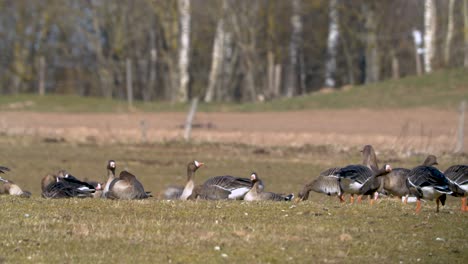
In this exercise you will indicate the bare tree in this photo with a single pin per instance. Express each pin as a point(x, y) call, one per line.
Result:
point(372, 53)
point(184, 55)
point(430, 27)
point(294, 46)
point(332, 43)
point(217, 57)
point(449, 36)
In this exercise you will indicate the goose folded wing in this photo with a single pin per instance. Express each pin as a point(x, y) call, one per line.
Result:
point(357, 173)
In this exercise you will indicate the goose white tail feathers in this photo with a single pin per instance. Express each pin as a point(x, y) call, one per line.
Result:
point(289, 197)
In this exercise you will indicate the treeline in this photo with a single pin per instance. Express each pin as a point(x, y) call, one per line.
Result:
point(222, 50)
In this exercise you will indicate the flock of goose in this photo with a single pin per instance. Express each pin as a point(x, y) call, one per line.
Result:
point(422, 182)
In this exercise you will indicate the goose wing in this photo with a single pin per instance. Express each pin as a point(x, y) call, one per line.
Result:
point(237, 186)
point(126, 187)
point(74, 182)
point(63, 190)
point(229, 182)
point(457, 174)
point(275, 196)
point(209, 192)
point(358, 173)
point(427, 176)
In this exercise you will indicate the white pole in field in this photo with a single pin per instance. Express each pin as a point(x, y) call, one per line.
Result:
point(461, 126)
point(190, 116)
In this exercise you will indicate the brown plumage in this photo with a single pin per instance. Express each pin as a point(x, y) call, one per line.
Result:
point(209, 192)
point(394, 182)
point(326, 183)
point(192, 167)
point(9, 187)
point(126, 187)
point(257, 194)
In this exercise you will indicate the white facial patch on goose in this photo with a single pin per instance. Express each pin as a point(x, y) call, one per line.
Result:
point(253, 176)
point(388, 168)
point(197, 164)
point(112, 164)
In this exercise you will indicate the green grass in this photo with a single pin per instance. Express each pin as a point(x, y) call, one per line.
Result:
point(443, 89)
point(152, 231)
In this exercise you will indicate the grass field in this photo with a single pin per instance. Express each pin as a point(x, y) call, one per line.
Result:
point(441, 90)
point(320, 230)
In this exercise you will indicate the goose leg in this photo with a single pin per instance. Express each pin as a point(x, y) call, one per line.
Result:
point(351, 199)
point(418, 206)
point(359, 199)
point(372, 199)
point(464, 207)
point(341, 197)
point(437, 201)
point(405, 200)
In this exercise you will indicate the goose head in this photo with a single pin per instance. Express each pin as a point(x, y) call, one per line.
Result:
point(194, 165)
point(431, 160)
point(254, 177)
point(111, 165)
point(388, 168)
point(62, 174)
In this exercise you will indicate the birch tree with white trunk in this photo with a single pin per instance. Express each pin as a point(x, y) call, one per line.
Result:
point(449, 36)
point(184, 50)
point(332, 43)
point(217, 58)
point(372, 52)
point(294, 44)
point(430, 27)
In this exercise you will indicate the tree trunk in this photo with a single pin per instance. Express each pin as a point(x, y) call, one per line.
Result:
point(430, 27)
point(372, 54)
point(229, 74)
point(449, 37)
point(184, 49)
point(216, 61)
point(294, 44)
point(418, 50)
point(395, 65)
point(332, 43)
point(465, 35)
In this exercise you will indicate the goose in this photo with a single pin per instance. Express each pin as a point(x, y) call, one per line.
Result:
point(173, 192)
point(209, 192)
point(326, 182)
point(257, 194)
point(192, 167)
point(458, 177)
point(59, 186)
point(359, 179)
point(352, 177)
point(125, 187)
point(427, 182)
point(369, 158)
point(110, 176)
point(394, 182)
point(237, 186)
point(9, 187)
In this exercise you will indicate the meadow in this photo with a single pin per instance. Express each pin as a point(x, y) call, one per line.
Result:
point(320, 230)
